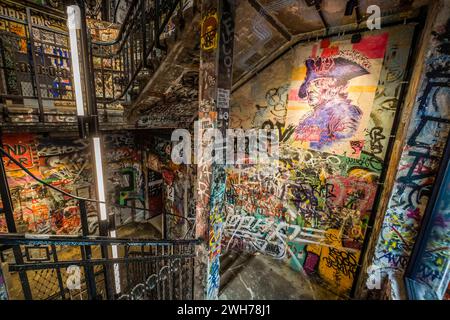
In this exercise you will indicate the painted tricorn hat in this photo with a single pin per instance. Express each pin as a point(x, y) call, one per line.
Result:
point(337, 67)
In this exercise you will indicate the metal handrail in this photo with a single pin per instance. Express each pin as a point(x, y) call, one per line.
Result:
point(65, 240)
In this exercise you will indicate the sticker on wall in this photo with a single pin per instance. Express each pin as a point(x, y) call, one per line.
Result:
point(155, 193)
point(210, 36)
point(332, 92)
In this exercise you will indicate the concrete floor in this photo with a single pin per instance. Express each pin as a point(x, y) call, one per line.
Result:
point(139, 230)
point(263, 278)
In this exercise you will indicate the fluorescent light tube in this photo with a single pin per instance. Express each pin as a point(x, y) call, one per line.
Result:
point(74, 24)
point(99, 178)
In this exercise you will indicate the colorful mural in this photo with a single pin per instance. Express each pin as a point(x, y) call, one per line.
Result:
point(332, 91)
point(65, 162)
point(333, 103)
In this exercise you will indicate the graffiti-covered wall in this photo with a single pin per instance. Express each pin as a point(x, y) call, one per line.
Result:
point(65, 162)
point(124, 178)
point(419, 161)
point(62, 162)
point(333, 103)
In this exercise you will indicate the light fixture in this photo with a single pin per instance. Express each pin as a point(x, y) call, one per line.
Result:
point(99, 178)
point(356, 38)
point(102, 206)
point(74, 24)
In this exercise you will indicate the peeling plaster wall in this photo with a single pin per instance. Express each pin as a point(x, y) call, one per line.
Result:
point(314, 208)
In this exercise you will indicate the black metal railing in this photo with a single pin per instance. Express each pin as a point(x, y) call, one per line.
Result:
point(34, 50)
point(168, 272)
point(35, 62)
point(58, 267)
point(137, 48)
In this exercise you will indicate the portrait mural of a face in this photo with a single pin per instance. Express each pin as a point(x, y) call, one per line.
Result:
point(332, 93)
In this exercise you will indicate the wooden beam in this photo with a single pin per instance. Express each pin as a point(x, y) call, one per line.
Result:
point(322, 17)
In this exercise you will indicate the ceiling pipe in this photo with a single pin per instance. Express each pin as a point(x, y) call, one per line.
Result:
point(318, 7)
point(270, 19)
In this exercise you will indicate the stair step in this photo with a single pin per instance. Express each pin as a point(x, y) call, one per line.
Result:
point(228, 273)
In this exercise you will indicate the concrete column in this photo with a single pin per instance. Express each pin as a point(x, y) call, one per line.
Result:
point(216, 62)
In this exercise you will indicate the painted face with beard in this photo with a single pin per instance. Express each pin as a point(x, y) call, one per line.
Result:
point(322, 90)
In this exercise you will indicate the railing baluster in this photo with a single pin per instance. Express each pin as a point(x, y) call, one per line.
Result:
point(58, 273)
point(192, 276)
point(152, 272)
point(163, 281)
point(36, 77)
point(156, 24)
point(143, 31)
point(86, 252)
point(158, 286)
point(180, 275)
point(171, 272)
